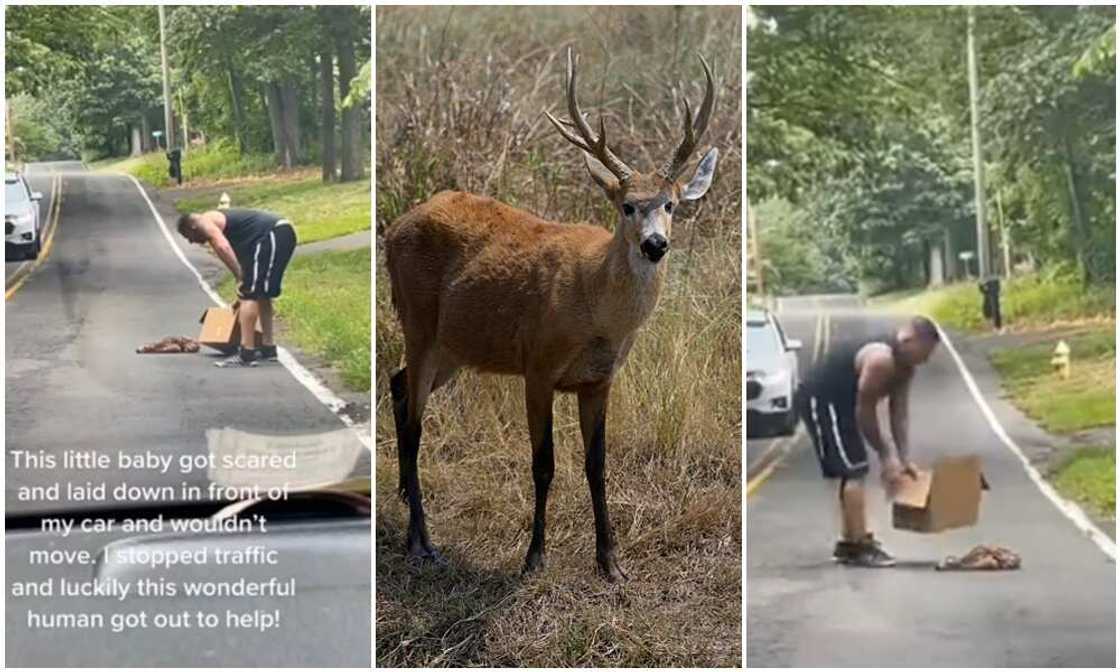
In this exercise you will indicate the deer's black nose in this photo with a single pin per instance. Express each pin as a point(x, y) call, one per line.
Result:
point(655, 247)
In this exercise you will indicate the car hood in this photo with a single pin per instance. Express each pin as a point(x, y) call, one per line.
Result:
point(17, 210)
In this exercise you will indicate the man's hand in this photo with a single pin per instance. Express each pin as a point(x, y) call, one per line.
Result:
point(910, 469)
point(893, 473)
point(235, 305)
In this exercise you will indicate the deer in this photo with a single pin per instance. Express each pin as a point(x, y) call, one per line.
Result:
point(480, 284)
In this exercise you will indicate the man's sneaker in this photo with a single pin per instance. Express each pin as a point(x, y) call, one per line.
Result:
point(243, 358)
point(845, 550)
point(267, 353)
point(869, 553)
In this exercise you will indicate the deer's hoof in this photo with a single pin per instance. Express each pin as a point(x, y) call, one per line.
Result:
point(534, 562)
point(425, 556)
point(610, 570)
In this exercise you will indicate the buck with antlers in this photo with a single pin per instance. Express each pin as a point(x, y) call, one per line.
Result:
point(481, 284)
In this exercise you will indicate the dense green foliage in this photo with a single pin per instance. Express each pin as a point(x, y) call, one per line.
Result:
point(859, 128)
point(272, 80)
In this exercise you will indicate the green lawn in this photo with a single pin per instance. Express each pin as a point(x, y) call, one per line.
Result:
point(1028, 301)
point(1089, 478)
point(218, 160)
point(318, 211)
point(1086, 399)
point(325, 309)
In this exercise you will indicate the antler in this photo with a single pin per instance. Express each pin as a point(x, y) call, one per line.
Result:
point(692, 133)
point(586, 139)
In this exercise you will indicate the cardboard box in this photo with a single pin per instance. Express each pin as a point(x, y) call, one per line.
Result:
point(943, 498)
point(221, 331)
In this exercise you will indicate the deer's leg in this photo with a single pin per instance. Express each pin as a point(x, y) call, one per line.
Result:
point(410, 388)
point(593, 426)
point(538, 406)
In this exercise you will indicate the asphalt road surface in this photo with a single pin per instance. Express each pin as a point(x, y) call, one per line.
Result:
point(806, 611)
point(110, 284)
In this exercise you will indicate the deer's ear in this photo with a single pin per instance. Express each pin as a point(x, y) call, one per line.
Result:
point(702, 179)
point(603, 177)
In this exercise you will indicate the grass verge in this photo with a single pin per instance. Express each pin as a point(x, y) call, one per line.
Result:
point(318, 211)
point(325, 310)
point(1027, 302)
point(1085, 400)
point(218, 160)
point(1089, 478)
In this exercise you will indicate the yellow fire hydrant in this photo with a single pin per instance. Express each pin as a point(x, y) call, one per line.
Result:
point(1060, 360)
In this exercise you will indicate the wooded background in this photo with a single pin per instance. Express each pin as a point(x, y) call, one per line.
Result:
point(284, 85)
point(859, 150)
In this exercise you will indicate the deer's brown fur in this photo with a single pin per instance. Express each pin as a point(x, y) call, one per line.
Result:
point(482, 284)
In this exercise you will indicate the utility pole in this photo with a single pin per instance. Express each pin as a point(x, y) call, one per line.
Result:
point(186, 129)
point(168, 129)
point(989, 284)
point(977, 159)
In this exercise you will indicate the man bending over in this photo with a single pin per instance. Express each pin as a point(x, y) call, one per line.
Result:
point(838, 403)
point(255, 246)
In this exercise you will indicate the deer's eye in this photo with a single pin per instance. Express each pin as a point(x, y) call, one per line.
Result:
point(627, 209)
point(669, 207)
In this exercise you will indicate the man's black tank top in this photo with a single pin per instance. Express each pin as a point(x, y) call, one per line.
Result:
point(244, 228)
point(835, 378)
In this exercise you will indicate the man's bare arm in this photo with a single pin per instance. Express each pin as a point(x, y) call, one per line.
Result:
point(225, 252)
point(874, 380)
point(900, 418)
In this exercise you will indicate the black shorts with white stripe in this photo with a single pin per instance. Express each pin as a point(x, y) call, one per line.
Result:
point(835, 434)
point(263, 270)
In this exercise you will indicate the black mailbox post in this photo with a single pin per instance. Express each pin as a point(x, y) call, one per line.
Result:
point(175, 164)
point(989, 289)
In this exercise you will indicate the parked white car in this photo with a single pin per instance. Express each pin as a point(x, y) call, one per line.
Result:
point(22, 223)
point(772, 376)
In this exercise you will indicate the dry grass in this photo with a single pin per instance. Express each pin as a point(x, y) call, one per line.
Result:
point(459, 104)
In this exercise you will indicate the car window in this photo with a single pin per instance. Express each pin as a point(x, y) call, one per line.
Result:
point(764, 346)
point(14, 192)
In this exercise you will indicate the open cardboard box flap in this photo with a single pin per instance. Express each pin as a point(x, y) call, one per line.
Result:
point(942, 498)
point(220, 329)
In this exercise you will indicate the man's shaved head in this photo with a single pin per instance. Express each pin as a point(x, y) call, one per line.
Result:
point(917, 339)
point(189, 227)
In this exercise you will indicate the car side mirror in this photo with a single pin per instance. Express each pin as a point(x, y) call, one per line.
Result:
point(36, 195)
point(793, 344)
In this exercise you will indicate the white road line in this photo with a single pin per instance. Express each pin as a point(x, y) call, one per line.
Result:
point(1069, 509)
point(315, 386)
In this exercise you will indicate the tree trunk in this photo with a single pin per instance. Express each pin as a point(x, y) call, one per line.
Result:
point(351, 133)
point(236, 96)
point(272, 104)
point(289, 107)
point(326, 114)
point(136, 144)
point(145, 133)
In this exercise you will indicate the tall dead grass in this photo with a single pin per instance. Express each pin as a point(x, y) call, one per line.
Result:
point(459, 98)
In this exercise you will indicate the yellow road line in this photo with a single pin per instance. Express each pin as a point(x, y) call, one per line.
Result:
point(821, 342)
point(44, 252)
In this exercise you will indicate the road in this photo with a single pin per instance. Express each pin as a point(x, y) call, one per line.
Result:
point(110, 284)
point(805, 611)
